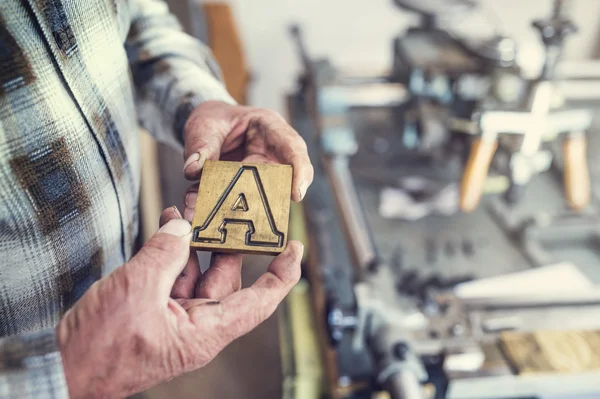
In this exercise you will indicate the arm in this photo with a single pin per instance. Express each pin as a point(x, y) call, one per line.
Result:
point(173, 72)
point(31, 366)
point(181, 99)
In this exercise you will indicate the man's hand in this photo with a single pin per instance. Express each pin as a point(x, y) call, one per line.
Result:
point(216, 130)
point(127, 333)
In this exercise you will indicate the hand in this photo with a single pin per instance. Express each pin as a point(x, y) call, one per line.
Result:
point(216, 130)
point(127, 334)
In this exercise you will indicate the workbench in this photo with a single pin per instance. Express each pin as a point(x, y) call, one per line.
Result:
point(450, 246)
point(493, 253)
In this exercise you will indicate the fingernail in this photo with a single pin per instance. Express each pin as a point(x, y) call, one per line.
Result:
point(201, 159)
point(301, 250)
point(191, 159)
point(176, 227)
point(177, 213)
point(188, 214)
point(303, 187)
point(190, 200)
point(300, 246)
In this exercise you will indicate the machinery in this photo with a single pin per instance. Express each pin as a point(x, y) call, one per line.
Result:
point(481, 91)
point(453, 112)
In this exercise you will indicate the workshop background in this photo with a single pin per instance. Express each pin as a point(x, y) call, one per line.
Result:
point(254, 34)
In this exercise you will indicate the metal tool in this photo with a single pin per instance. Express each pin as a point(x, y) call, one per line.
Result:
point(522, 164)
point(399, 370)
point(333, 96)
point(553, 33)
point(385, 325)
point(537, 124)
point(534, 235)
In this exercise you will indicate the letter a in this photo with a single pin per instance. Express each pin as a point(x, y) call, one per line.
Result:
point(243, 202)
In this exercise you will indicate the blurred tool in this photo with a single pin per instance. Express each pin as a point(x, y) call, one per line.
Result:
point(418, 197)
point(540, 121)
point(225, 43)
point(391, 150)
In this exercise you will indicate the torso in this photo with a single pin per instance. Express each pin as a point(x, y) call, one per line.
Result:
point(69, 161)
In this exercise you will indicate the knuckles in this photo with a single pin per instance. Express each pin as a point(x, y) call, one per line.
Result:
point(208, 291)
point(297, 147)
point(267, 115)
point(299, 143)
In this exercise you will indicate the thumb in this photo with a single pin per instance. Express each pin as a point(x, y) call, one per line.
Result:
point(205, 132)
point(163, 257)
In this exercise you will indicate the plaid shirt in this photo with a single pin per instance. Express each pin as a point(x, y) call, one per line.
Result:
point(69, 156)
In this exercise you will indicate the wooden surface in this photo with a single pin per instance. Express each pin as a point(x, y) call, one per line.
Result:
point(226, 44)
point(242, 208)
point(576, 172)
point(552, 351)
point(319, 305)
point(476, 173)
point(151, 204)
point(301, 356)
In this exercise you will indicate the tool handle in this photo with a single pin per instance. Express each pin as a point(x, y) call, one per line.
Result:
point(297, 37)
point(476, 172)
point(576, 172)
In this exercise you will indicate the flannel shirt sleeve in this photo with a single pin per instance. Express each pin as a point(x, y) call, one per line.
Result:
point(172, 71)
point(31, 367)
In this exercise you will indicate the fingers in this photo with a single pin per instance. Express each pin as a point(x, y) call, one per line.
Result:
point(169, 214)
point(223, 278)
point(187, 280)
point(194, 163)
point(162, 258)
point(215, 128)
point(205, 132)
point(191, 197)
point(185, 285)
point(243, 310)
point(272, 134)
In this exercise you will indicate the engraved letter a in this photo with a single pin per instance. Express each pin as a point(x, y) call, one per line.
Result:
point(243, 202)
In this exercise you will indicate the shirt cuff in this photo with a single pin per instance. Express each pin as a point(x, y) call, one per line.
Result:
point(193, 99)
point(176, 95)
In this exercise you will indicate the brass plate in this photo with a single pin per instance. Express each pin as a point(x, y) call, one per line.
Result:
point(242, 208)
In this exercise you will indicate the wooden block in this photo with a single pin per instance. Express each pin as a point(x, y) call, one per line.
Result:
point(541, 352)
point(242, 208)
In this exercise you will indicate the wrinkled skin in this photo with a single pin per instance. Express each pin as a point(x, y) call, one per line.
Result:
point(157, 316)
point(127, 333)
point(216, 130)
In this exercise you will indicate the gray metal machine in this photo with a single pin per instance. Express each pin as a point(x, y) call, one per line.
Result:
point(453, 111)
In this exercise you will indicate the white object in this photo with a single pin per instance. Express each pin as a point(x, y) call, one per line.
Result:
point(397, 203)
point(554, 278)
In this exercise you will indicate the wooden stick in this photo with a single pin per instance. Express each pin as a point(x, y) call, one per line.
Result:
point(576, 172)
point(476, 172)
